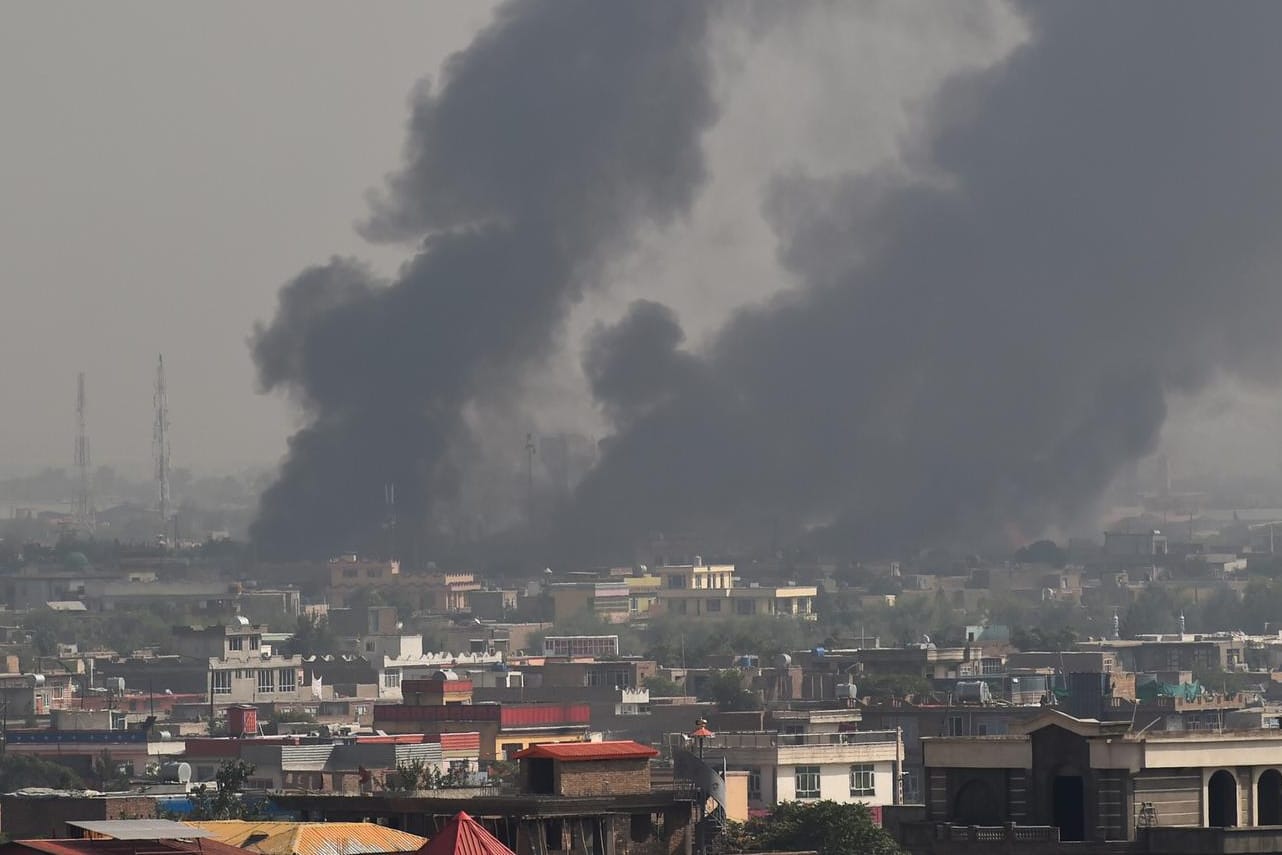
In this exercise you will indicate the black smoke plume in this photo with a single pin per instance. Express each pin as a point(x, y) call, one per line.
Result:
point(975, 353)
point(566, 126)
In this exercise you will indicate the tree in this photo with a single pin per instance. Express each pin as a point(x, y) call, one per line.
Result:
point(228, 800)
point(727, 690)
point(826, 827)
point(312, 637)
point(22, 770)
point(662, 687)
point(109, 774)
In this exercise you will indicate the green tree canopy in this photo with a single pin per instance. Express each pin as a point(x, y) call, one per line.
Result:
point(826, 827)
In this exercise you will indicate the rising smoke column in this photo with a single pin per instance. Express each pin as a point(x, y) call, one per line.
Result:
point(974, 354)
point(562, 129)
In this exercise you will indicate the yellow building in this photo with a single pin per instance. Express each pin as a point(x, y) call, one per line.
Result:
point(701, 590)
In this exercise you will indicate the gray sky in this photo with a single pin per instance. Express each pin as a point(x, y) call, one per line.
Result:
point(164, 168)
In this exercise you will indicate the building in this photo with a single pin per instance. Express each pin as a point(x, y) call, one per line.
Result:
point(45, 813)
point(1097, 781)
point(337, 765)
point(586, 768)
point(575, 646)
point(1125, 544)
point(132, 750)
point(811, 755)
point(240, 669)
point(701, 590)
point(660, 821)
point(504, 729)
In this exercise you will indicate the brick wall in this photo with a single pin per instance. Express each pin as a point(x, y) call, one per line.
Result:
point(602, 777)
point(48, 817)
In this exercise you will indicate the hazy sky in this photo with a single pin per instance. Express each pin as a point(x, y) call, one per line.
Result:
point(164, 167)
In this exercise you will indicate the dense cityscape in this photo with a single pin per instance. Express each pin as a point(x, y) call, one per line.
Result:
point(953, 523)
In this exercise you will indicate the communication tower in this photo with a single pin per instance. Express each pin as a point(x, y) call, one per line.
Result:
point(84, 498)
point(160, 442)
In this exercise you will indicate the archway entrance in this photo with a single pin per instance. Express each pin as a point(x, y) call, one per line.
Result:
point(976, 804)
point(1068, 806)
point(1268, 798)
point(1221, 797)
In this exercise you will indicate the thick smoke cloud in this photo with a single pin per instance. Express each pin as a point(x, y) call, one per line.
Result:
point(974, 355)
point(561, 130)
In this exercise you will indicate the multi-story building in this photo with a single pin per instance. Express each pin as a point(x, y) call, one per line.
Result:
point(1101, 787)
point(702, 590)
point(444, 705)
point(811, 755)
point(240, 669)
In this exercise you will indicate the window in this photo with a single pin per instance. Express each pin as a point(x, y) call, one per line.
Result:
point(744, 607)
point(222, 682)
point(676, 581)
point(955, 726)
point(714, 605)
point(255, 642)
point(287, 679)
point(592, 678)
point(807, 782)
point(370, 646)
point(862, 782)
point(392, 678)
point(912, 787)
point(266, 681)
point(236, 642)
point(754, 784)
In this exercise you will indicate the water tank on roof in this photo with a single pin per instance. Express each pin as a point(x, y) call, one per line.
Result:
point(445, 674)
point(242, 620)
point(819, 652)
point(783, 660)
point(175, 772)
point(974, 692)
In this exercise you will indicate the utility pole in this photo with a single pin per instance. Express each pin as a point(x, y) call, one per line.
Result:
point(84, 500)
point(160, 444)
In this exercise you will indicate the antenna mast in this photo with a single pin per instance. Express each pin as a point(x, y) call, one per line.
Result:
point(84, 500)
point(160, 442)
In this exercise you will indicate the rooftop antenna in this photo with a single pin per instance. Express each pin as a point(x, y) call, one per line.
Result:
point(160, 442)
point(84, 499)
point(389, 499)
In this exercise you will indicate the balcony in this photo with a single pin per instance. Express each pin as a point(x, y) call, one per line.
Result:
point(792, 748)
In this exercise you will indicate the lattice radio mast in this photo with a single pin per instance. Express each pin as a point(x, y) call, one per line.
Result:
point(160, 441)
point(84, 498)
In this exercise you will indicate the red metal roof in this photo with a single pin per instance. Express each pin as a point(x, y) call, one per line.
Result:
point(120, 847)
point(463, 835)
point(624, 749)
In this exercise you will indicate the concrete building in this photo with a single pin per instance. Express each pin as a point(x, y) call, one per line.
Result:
point(444, 705)
point(1125, 544)
point(702, 590)
point(1092, 781)
point(811, 755)
point(240, 669)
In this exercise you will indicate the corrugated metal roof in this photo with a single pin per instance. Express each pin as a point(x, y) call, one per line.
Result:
point(312, 838)
point(624, 749)
point(140, 829)
point(463, 835)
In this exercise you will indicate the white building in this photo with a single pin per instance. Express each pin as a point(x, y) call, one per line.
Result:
point(815, 755)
